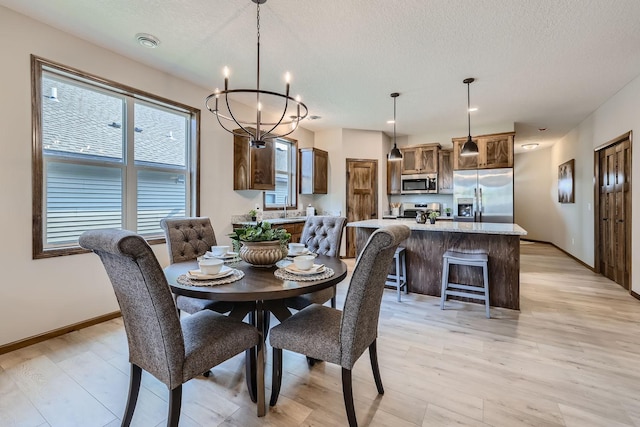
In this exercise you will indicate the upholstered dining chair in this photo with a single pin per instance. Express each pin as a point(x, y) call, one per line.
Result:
point(172, 350)
point(322, 235)
point(341, 337)
point(187, 239)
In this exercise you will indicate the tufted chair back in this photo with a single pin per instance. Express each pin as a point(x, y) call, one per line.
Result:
point(188, 238)
point(359, 326)
point(323, 234)
point(156, 342)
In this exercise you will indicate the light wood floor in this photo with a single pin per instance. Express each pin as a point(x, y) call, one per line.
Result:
point(570, 357)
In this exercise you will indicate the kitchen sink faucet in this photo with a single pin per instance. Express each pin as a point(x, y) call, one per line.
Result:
point(285, 206)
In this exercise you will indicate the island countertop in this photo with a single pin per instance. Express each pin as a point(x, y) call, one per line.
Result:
point(427, 243)
point(450, 226)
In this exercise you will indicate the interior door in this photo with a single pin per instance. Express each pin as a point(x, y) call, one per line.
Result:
point(362, 196)
point(613, 250)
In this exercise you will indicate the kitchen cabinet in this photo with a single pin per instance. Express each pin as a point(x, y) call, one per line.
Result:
point(445, 172)
point(494, 151)
point(420, 159)
point(313, 171)
point(253, 168)
point(394, 175)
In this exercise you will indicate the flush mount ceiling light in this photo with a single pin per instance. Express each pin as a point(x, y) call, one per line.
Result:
point(529, 146)
point(469, 148)
point(395, 153)
point(258, 132)
point(147, 40)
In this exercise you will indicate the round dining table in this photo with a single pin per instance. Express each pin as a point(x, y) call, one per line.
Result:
point(257, 294)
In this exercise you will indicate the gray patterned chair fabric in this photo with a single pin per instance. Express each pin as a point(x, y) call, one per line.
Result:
point(322, 235)
point(341, 337)
point(170, 349)
point(187, 239)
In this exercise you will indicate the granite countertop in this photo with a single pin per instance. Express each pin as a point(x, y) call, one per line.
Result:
point(451, 226)
point(275, 221)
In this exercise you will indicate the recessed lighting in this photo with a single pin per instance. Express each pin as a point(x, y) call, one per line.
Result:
point(147, 40)
point(529, 146)
point(390, 122)
point(541, 129)
point(313, 117)
point(472, 109)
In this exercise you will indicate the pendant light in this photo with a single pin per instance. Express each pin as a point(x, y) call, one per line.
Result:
point(395, 153)
point(469, 148)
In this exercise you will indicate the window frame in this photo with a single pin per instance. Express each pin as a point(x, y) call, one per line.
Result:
point(37, 178)
point(293, 175)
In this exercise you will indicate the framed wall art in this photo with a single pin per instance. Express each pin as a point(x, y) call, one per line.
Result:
point(566, 185)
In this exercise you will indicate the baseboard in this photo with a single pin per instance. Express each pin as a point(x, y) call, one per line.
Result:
point(635, 295)
point(6, 348)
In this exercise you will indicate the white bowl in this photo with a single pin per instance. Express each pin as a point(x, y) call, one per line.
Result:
point(304, 262)
point(219, 250)
point(296, 248)
point(210, 265)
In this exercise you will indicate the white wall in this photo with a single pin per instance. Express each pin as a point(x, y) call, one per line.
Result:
point(37, 296)
point(615, 117)
point(533, 192)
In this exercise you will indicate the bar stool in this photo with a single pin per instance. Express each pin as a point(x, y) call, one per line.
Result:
point(480, 259)
point(399, 277)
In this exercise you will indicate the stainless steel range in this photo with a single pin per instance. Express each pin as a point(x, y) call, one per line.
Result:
point(410, 210)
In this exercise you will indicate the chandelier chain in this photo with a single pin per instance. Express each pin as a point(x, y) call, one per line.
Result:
point(258, 21)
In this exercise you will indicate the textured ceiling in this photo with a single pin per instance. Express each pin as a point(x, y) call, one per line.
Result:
point(538, 63)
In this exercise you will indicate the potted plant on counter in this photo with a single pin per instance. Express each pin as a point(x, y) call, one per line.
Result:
point(261, 245)
point(447, 211)
point(252, 214)
point(433, 216)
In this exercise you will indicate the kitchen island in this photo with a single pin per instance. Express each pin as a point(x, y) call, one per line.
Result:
point(428, 242)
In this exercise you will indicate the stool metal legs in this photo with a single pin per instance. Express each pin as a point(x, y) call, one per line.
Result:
point(466, 291)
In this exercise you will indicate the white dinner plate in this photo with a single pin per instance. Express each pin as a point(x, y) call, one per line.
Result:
point(228, 255)
point(313, 270)
point(199, 275)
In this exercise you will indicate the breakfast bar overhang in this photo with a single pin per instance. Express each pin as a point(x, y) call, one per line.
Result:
point(428, 242)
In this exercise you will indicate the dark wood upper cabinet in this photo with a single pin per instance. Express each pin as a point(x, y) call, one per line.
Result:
point(394, 174)
point(420, 159)
point(253, 168)
point(313, 171)
point(494, 151)
point(445, 172)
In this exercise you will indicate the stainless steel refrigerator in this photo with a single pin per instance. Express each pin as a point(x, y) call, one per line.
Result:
point(483, 195)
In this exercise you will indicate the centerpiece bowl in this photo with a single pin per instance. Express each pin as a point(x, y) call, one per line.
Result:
point(261, 245)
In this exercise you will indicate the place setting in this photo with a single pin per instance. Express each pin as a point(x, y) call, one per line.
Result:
point(212, 272)
point(223, 253)
point(301, 267)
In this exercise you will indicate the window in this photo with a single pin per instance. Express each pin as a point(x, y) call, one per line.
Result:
point(286, 186)
point(106, 156)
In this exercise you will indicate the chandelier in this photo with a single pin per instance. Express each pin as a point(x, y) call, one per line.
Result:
point(258, 131)
point(469, 148)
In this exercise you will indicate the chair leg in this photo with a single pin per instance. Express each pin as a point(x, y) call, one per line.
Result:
point(250, 373)
point(276, 377)
point(134, 389)
point(174, 407)
point(333, 301)
point(347, 394)
point(485, 274)
point(373, 355)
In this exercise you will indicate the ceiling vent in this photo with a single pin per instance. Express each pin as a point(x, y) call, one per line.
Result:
point(147, 40)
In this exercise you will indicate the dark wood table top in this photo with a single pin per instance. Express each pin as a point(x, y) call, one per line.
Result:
point(258, 284)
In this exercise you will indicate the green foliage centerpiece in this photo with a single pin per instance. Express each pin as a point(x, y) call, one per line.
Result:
point(261, 245)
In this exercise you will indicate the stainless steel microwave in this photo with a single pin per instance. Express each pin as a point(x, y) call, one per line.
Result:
point(419, 183)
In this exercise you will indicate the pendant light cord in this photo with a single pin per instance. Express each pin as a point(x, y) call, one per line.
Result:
point(468, 109)
point(394, 121)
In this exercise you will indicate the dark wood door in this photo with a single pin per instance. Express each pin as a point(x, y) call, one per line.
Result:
point(362, 196)
point(614, 212)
